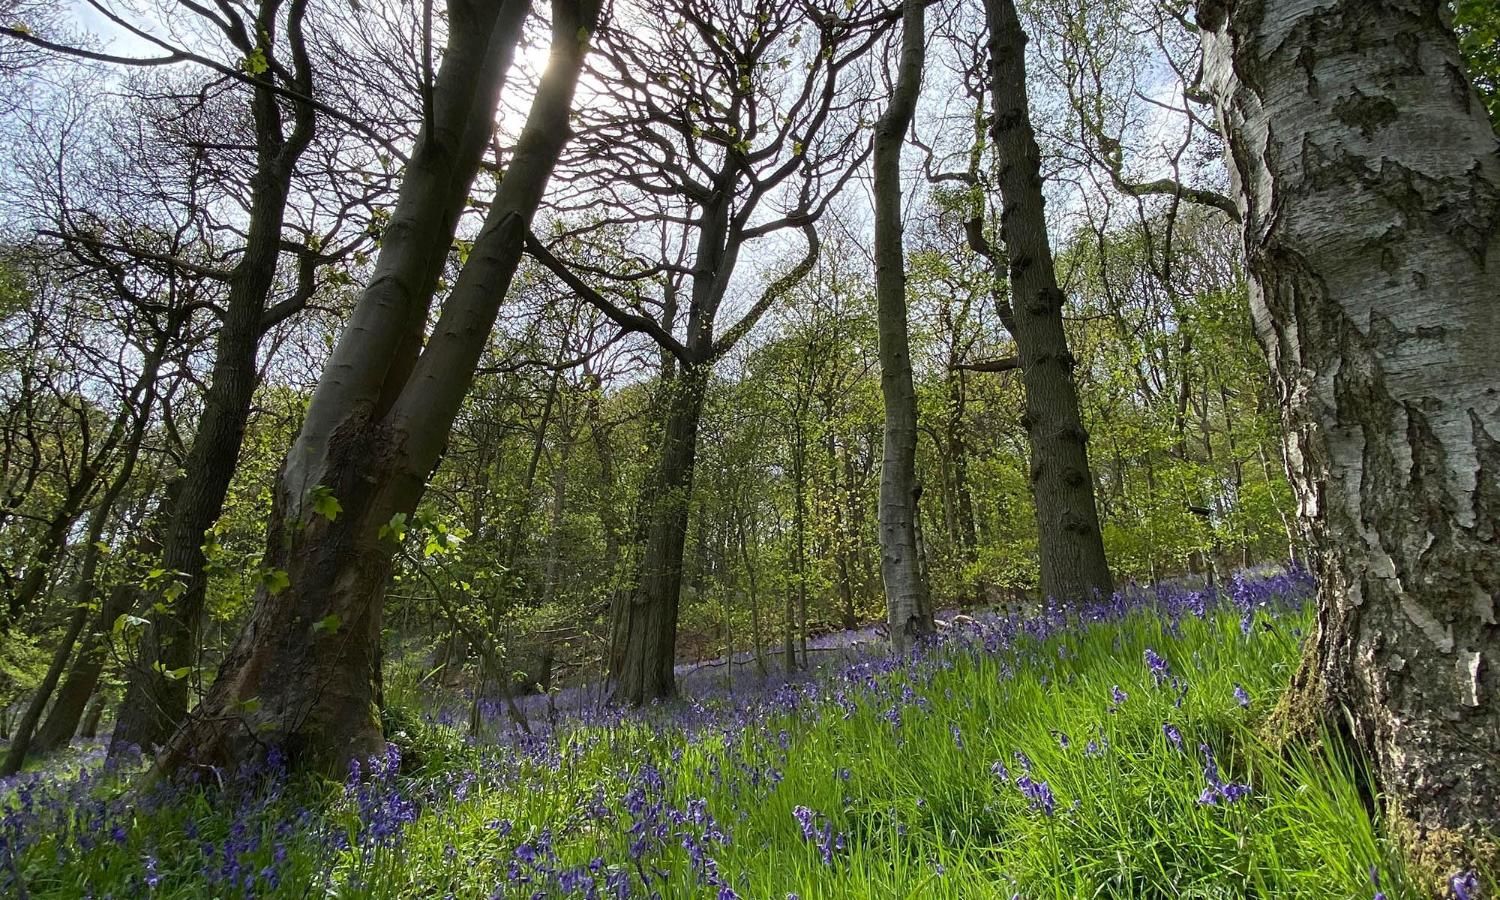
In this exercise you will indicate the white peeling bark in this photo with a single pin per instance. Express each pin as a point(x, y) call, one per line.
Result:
point(1369, 182)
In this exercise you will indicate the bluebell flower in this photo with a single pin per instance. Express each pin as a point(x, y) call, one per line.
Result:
point(1160, 670)
point(1218, 789)
point(1174, 737)
point(1465, 885)
point(1037, 793)
point(1240, 697)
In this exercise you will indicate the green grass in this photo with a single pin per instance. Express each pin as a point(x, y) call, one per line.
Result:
point(921, 812)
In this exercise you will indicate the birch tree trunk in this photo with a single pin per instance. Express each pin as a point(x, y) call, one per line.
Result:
point(1369, 184)
point(1071, 545)
point(908, 605)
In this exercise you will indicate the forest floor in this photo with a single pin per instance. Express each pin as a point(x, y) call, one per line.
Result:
point(1116, 751)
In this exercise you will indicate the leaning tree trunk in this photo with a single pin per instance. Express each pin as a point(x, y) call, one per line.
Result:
point(73, 697)
point(1369, 182)
point(908, 605)
point(153, 704)
point(20, 744)
point(139, 409)
point(643, 645)
point(304, 673)
point(1071, 545)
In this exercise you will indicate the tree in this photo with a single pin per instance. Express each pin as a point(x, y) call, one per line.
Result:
point(908, 604)
point(713, 115)
point(1073, 565)
point(274, 47)
point(305, 672)
point(1371, 248)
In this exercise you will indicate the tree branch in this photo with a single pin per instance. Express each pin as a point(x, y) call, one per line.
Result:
point(627, 320)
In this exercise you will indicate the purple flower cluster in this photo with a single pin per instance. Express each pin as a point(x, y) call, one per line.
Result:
point(648, 834)
point(1160, 670)
point(1217, 788)
point(384, 809)
point(819, 829)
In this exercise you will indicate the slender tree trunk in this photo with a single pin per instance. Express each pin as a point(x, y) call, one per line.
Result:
point(799, 530)
point(21, 740)
point(54, 538)
point(1369, 182)
point(138, 410)
point(1071, 549)
point(304, 672)
point(908, 605)
point(83, 678)
point(958, 450)
point(756, 634)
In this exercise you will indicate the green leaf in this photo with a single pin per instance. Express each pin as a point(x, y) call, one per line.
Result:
point(126, 620)
point(275, 580)
point(324, 503)
point(255, 62)
point(394, 529)
point(329, 622)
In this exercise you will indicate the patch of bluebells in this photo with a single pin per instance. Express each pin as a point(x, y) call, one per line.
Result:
point(657, 835)
point(818, 829)
point(1218, 789)
point(383, 807)
point(1465, 885)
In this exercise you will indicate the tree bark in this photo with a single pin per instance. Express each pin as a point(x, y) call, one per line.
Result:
point(89, 727)
point(1071, 545)
point(1369, 184)
point(304, 673)
point(908, 605)
point(643, 649)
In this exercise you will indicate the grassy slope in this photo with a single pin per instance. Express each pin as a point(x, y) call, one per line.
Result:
point(702, 800)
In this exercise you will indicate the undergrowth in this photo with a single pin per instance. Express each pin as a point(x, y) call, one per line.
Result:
point(1111, 752)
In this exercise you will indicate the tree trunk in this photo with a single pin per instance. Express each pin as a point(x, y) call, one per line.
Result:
point(137, 409)
point(21, 740)
point(1071, 546)
point(1369, 184)
point(83, 678)
point(908, 606)
point(304, 673)
point(643, 646)
point(89, 728)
